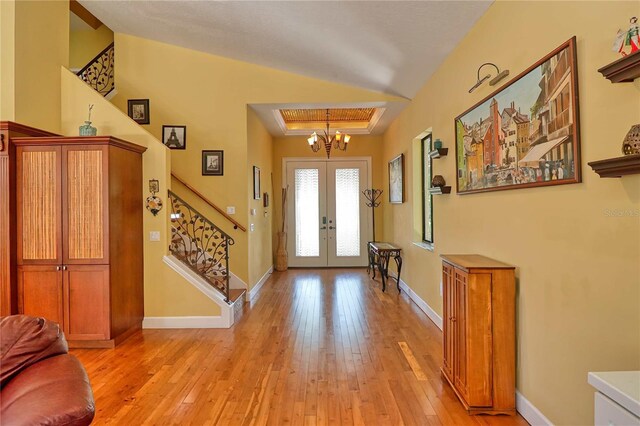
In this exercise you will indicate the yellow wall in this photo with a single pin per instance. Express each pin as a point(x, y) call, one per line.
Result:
point(84, 45)
point(296, 146)
point(259, 154)
point(578, 266)
point(210, 94)
point(40, 46)
point(7, 60)
point(165, 292)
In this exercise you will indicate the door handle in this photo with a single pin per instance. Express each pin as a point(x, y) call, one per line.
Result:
point(324, 227)
point(332, 227)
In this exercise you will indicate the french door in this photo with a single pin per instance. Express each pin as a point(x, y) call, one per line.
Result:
point(328, 223)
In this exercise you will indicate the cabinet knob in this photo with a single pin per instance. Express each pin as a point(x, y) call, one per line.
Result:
point(64, 268)
point(57, 268)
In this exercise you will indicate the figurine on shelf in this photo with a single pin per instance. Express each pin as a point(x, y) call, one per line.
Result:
point(630, 37)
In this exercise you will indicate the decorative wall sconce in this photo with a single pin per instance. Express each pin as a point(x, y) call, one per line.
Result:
point(154, 203)
point(495, 80)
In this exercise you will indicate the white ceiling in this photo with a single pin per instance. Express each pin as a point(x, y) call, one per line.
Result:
point(386, 46)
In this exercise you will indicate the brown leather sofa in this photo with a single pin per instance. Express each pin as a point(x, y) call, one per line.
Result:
point(40, 382)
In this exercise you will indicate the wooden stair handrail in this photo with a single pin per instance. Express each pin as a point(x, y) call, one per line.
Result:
point(236, 225)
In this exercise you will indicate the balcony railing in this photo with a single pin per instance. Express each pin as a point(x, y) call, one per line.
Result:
point(98, 73)
point(558, 73)
point(200, 244)
point(560, 121)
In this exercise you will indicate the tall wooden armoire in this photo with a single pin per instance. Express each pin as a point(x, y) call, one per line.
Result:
point(8, 237)
point(79, 226)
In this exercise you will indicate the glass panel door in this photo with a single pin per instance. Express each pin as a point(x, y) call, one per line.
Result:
point(348, 217)
point(306, 238)
point(327, 221)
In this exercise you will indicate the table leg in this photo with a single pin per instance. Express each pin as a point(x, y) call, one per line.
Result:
point(383, 265)
point(398, 260)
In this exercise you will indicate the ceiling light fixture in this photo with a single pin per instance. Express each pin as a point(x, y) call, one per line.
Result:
point(337, 141)
point(495, 80)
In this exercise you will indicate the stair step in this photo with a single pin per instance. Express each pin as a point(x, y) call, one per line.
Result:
point(235, 294)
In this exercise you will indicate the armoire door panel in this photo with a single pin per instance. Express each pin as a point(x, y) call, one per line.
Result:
point(40, 291)
point(86, 302)
point(84, 195)
point(448, 323)
point(479, 340)
point(38, 205)
point(461, 360)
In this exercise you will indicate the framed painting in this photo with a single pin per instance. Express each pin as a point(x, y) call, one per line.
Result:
point(525, 134)
point(396, 178)
point(212, 163)
point(256, 183)
point(138, 110)
point(174, 137)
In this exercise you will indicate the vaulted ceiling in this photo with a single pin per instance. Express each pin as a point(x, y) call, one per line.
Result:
point(386, 46)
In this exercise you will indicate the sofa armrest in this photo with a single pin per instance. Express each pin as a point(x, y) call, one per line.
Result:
point(54, 391)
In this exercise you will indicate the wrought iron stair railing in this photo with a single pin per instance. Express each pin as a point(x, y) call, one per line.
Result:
point(98, 73)
point(200, 244)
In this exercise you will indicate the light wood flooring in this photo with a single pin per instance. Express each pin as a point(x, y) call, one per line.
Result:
point(313, 347)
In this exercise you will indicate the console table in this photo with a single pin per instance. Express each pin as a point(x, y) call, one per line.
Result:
point(379, 255)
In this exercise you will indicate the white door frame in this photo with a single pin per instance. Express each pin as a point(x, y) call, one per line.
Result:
point(286, 160)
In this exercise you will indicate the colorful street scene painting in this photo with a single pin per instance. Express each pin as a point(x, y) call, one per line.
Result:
point(525, 134)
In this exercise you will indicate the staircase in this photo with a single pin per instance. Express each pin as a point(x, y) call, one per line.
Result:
point(199, 250)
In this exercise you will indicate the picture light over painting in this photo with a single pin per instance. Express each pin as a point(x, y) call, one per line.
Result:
point(495, 80)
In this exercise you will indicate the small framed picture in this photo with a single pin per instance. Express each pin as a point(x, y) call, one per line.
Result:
point(212, 163)
point(396, 177)
point(139, 110)
point(256, 183)
point(174, 137)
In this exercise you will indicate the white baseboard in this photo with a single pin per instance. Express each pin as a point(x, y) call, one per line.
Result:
point(256, 288)
point(530, 413)
point(185, 322)
point(433, 316)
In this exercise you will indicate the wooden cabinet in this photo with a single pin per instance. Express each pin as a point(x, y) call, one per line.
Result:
point(79, 208)
point(479, 332)
point(8, 236)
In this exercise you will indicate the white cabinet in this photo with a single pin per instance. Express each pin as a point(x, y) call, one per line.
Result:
point(617, 400)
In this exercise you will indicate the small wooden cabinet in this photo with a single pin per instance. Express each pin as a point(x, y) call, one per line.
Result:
point(79, 222)
point(479, 332)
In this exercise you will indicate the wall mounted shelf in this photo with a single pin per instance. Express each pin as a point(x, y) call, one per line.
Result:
point(617, 167)
point(624, 70)
point(440, 152)
point(437, 190)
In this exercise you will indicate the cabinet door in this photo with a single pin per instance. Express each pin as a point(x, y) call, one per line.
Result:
point(40, 292)
point(86, 302)
point(84, 196)
point(39, 211)
point(479, 340)
point(448, 332)
point(460, 336)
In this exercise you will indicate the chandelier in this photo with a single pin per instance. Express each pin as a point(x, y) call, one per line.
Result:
point(338, 141)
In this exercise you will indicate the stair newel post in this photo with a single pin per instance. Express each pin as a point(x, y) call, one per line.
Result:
point(226, 261)
point(372, 196)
